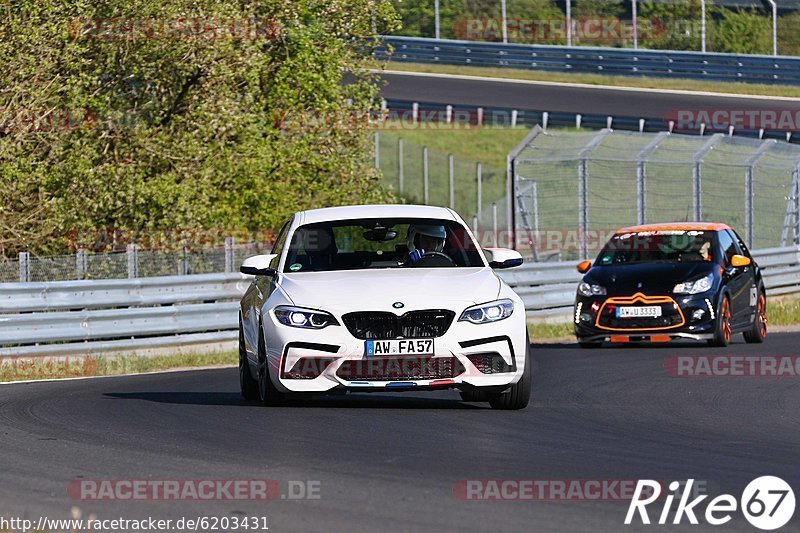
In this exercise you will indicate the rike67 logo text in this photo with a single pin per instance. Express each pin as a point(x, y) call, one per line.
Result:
point(767, 503)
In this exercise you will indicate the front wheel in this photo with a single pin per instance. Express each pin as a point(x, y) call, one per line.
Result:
point(518, 396)
point(758, 332)
point(247, 384)
point(722, 334)
point(267, 393)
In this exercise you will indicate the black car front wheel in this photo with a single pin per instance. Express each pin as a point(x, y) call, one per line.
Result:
point(723, 332)
point(758, 332)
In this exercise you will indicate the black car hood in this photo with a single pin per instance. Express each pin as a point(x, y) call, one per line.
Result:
point(647, 278)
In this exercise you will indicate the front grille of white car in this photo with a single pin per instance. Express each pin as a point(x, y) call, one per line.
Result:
point(382, 325)
point(400, 368)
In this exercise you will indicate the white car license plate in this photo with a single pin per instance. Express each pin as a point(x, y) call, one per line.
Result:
point(639, 312)
point(399, 347)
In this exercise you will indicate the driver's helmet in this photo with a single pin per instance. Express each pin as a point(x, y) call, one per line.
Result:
point(437, 232)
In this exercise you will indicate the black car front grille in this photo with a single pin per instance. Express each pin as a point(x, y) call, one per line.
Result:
point(671, 317)
point(381, 325)
point(400, 368)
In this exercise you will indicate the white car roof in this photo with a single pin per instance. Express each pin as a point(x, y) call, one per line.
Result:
point(348, 212)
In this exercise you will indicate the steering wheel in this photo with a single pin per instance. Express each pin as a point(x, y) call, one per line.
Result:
point(434, 259)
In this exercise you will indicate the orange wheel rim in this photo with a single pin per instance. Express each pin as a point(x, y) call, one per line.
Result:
point(762, 315)
point(726, 320)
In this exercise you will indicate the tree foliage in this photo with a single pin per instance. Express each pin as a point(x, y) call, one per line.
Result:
point(147, 130)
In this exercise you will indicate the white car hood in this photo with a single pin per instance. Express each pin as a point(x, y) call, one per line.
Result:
point(378, 290)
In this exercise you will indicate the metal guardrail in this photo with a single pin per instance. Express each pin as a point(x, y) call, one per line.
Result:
point(610, 61)
point(105, 316)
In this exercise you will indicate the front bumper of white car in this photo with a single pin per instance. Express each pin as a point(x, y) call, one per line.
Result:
point(465, 356)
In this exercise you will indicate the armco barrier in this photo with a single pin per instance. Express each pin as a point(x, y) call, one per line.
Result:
point(611, 61)
point(64, 317)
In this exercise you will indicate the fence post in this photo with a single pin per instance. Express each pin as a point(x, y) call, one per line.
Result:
point(184, 266)
point(80, 264)
point(641, 176)
point(400, 176)
point(425, 174)
point(24, 267)
point(479, 172)
point(452, 181)
point(229, 254)
point(377, 151)
point(697, 177)
point(494, 224)
point(133, 260)
point(583, 203)
point(749, 191)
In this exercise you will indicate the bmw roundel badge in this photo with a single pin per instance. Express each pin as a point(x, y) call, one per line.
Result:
point(397, 305)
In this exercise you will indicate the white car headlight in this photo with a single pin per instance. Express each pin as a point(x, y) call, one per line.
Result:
point(587, 289)
point(298, 317)
point(694, 287)
point(488, 312)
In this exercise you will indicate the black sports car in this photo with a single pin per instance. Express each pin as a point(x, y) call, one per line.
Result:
point(658, 282)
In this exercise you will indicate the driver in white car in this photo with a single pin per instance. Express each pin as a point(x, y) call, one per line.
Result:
point(424, 239)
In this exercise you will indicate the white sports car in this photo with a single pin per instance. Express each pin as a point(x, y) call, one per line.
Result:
point(378, 298)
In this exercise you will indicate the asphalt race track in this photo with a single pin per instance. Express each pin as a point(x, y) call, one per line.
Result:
point(565, 98)
point(389, 462)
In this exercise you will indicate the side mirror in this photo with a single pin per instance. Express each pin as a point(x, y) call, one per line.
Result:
point(502, 257)
point(740, 261)
point(258, 265)
point(584, 266)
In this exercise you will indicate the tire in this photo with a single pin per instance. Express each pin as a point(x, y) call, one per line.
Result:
point(722, 333)
point(247, 384)
point(267, 393)
point(758, 332)
point(518, 396)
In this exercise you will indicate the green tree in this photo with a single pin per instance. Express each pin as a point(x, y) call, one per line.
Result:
point(163, 129)
point(740, 32)
point(670, 25)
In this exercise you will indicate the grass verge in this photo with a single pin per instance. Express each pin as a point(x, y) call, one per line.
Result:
point(73, 366)
point(600, 79)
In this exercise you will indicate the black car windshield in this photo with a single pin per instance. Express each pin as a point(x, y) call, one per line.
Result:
point(381, 243)
point(670, 246)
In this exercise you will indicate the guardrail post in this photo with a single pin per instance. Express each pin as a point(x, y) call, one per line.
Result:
point(80, 264)
point(229, 254)
point(24, 267)
point(133, 260)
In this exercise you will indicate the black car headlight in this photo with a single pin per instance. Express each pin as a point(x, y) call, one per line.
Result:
point(488, 312)
point(587, 289)
point(297, 317)
point(695, 287)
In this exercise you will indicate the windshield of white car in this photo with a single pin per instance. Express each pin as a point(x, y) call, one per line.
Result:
point(379, 244)
point(664, 246)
